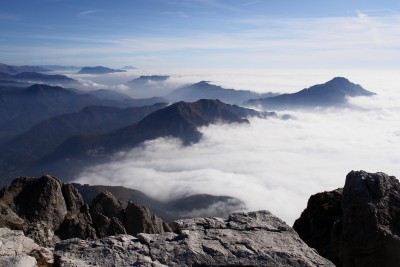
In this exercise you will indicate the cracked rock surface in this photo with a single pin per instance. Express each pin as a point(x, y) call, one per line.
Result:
point(247, 239)
point(17, 250)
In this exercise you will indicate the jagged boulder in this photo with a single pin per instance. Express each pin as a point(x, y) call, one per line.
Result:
point(108, 215)
point(139, 219)
point(44, 206)
point(36, 200)
point(246, 239)
point(77, 225)
point(47, 210)
point(361, 224)
point(316, 223)
point(370, 228)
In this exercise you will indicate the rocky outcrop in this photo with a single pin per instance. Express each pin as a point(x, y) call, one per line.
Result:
point(47, 210)
point(315, 224)
point(108, 215)
point(248, 239)
point(359, 226)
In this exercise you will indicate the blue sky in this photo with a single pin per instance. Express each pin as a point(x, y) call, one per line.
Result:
point(202, 33)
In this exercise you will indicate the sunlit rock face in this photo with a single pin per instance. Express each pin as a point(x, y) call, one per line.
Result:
point(249, 239)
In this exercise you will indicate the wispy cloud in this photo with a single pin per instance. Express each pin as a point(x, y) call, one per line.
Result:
point(251, 2)
point(88, 12)
point(9, 17)
point(356, 41)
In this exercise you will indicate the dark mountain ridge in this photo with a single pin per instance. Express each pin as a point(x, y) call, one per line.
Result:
point(333, 93)
point(35, 77)
point(110, 94)
point(180, 120)
point(45, 136)
point(22, 108)
point(18, 69)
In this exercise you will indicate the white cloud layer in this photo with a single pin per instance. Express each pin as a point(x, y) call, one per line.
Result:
point(269, 164)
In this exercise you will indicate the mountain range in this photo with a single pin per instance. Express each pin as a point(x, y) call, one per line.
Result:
point(44, 137)
point(109, 94)
point(148, 85)
point(35, 77)
point(180, 120)
point(333, 93)
point(53, 129)
point(60, 67)
point(23, 107)
point(10, 69)
point(205, 89)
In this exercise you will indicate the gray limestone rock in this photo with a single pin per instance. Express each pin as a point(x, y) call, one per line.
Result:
point(17, 250)
point(247, 239)
point(139, 219)
point(18, 261)
point(120, 250)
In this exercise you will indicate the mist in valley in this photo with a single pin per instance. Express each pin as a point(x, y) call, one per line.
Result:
point(270, 164)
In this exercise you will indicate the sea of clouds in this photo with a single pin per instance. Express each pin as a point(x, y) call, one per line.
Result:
point(271, 164)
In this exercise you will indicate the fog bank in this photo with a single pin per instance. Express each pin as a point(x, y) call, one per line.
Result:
point(269, 164)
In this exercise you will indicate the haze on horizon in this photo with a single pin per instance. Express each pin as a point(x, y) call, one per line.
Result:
point(202, 34)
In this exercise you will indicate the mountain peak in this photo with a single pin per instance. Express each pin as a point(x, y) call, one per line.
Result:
point(340, 79)
point(332, 93)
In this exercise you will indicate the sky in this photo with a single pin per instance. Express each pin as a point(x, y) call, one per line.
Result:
point(191, 34)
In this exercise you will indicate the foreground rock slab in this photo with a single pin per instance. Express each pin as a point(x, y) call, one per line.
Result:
point(17, 250)
point(247, 239)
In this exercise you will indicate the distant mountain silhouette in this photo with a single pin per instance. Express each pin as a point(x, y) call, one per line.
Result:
point(147, 80)
point(148, 85)
point(24, 107)
point(128, 68)
point(21, 108)
point(332, 93)
point(45, 136)
point(6, 83)
point(35, 77)
point(205, 89)
point(151, 78)
point(179, 120)
point(60, 67)
point(109, 94)
point(45, 78)
point(18, 69)
point(98, 70)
